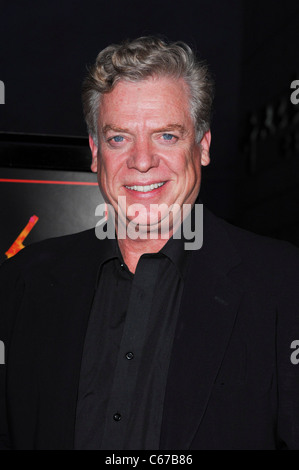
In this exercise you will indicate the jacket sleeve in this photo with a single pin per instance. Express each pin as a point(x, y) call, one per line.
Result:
point(288, 356)
point(10, 297)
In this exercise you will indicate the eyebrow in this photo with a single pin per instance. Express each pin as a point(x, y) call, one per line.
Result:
point(172, 127)
point(168, 127)
point(108, 127)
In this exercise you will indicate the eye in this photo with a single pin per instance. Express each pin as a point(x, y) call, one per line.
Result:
point(117, 138)
point(168, 137)
point(116, 141)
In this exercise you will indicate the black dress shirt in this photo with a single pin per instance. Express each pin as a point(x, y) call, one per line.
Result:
point(127, 349)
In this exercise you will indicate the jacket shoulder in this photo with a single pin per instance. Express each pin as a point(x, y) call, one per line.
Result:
point(265, 260)
point(260, 248)
point(51, 251)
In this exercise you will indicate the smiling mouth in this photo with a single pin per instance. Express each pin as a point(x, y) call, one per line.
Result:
point(146, 188)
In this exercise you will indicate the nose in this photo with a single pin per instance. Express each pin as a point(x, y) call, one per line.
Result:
point(142, 157)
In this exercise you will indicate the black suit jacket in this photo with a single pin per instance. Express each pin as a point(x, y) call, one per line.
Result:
point(231, 382)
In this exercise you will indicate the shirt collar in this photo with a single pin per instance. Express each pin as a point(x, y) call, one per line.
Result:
point(109, 251)
point(174, 250)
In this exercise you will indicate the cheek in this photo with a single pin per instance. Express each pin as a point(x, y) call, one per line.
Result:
point(184, 163)
point(105, 163)
point(176, 161)
point(111, 170)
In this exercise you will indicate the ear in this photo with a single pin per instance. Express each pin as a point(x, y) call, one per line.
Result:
point(205, 148)
point(94, 155)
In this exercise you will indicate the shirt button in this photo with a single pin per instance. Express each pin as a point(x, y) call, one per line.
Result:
point(122, 265)
point(117, 417)
point(129, 355)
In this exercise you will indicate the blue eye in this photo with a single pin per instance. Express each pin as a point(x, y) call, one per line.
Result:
point(167, 136)
point(117, 138)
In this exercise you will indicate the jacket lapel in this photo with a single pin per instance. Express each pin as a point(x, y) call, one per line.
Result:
point(67, 292)
point(208, 311)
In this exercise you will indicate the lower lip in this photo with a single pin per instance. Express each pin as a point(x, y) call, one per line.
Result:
point(148, 193)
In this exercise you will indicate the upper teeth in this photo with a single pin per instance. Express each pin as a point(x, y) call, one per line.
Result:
point(146, 188)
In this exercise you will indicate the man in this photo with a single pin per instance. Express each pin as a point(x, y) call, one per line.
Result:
point(136, 342)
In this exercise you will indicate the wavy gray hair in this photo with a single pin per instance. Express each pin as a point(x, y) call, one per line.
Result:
point(139, 59)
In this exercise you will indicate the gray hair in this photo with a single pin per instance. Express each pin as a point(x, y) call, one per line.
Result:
point(140, 59)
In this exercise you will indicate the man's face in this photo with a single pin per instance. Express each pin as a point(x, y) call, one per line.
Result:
point(146, 147)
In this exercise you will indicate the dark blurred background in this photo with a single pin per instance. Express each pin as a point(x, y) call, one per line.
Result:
point(252, 48)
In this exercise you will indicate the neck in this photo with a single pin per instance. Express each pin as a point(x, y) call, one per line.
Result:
point(132, 250)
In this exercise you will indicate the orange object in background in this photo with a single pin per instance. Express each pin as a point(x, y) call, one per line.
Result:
point(18, 243)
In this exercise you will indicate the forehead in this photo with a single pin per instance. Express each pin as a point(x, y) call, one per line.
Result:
point(151, 99)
